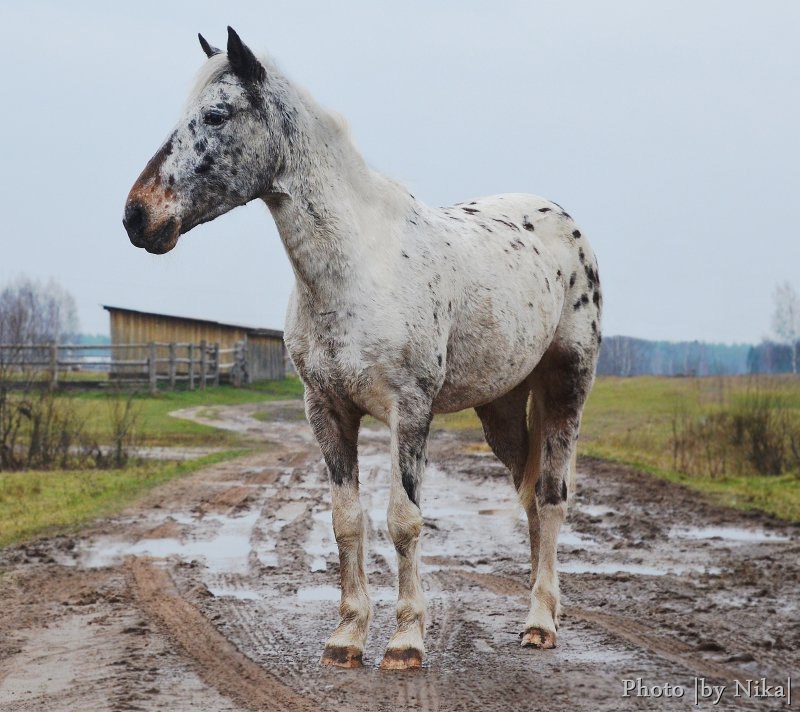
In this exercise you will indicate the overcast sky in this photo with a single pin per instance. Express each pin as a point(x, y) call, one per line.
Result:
point(669, 130)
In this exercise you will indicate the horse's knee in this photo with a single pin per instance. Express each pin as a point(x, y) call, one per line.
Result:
point(405, 526)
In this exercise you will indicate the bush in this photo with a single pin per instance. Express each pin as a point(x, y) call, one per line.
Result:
point(757, 434)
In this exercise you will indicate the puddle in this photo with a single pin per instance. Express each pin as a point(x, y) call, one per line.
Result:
point(734, 534)
point(584, 567)
point(333, 593)
point(241, 594)
point(320, 543)
point(595, 510)
point(226, 550)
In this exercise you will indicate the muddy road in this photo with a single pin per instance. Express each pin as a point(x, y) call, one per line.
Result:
point(219, 590)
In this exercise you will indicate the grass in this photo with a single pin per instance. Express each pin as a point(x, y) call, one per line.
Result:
point(158, 427)
point(33, 503)
point(629, 420)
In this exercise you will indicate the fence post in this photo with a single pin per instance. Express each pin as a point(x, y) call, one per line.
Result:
point(236, 372)
point(191, 366)
point(172, 366)
point(245, 373)
point(203, 363)
point(152, 368)
point(216, 363)
point(53, 365)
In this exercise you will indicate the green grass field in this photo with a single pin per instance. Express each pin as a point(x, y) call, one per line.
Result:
point(159, 428)
point(35, 503)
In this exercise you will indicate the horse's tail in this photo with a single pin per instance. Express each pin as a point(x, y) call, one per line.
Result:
point(533, 464)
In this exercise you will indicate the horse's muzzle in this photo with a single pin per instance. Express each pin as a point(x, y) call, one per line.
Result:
point(156, 239)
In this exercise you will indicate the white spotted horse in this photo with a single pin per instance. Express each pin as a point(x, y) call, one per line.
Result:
point(400, 311)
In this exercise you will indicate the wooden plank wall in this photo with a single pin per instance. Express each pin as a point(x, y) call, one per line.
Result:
point(265, 354)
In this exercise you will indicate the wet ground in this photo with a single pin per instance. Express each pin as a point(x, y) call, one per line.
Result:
point(219, 591)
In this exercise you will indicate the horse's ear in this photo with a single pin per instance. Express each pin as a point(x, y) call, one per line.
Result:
point(243, 61)
point(207, 48)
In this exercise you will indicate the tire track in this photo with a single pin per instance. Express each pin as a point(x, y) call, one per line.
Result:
point(219, 663)
point(636, 634)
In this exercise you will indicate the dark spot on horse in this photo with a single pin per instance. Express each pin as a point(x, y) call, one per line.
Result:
point(545, 210)
point(454, 217)
point(200, 146)
point(594, 327)
point(526, 223)
point(472, 203)
point(581, 256)
point(234, 172)
point(435, 316)
point(205, 165)
point(449, 307)
point(558, 273)
point(413, 222)
point(171, 179)
point(599, 338)
point(596, 298)
point(506, 223)
point(535, 249)
point(547, 282)
point(530, 304)
point(563, 490)
point(565, 214)
point(584, 298)
point(590, 275)
point(471, 211)
point(572, 279)
point(447, 243)
point(577, 305)
point(405, 255)
point(576, 234)
point(439, 358)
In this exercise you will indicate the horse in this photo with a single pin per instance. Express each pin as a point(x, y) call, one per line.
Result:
point(400, 311)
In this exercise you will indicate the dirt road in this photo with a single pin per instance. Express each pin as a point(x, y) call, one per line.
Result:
point(219, 590)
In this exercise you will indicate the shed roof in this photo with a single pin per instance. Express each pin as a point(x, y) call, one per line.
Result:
point(251, 330)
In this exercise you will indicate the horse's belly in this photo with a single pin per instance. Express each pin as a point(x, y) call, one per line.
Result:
point(481, 368)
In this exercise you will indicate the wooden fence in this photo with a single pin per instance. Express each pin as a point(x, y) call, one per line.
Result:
point(196, 365)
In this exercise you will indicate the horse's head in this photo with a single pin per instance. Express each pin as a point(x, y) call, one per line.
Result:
point(223, 153)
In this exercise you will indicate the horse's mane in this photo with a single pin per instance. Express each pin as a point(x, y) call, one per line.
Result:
point(216, 66)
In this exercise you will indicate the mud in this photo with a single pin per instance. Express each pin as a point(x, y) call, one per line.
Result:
point(218, 591)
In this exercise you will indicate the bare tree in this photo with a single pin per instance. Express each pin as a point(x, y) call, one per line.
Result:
point(34, 428)
point(35, 313)
point(786, 318)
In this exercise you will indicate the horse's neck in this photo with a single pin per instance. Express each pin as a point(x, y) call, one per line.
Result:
point(335, 215)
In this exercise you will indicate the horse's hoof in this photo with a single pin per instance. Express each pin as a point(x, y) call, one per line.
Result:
point(405, 659)
point(539, 638)
point(346, 657)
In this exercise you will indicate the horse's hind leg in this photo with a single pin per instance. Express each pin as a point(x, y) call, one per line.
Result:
point(560, 385)
point(335, 425)
point(410, 425)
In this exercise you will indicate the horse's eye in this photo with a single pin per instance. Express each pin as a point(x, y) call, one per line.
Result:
point(214, 118)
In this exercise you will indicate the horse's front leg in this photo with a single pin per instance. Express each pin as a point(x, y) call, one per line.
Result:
point(409, 440)
point(336, 428)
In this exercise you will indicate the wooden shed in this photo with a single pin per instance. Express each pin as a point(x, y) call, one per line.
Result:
point(266, 353)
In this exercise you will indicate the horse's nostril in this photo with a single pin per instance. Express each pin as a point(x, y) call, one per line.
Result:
point(134, 218)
